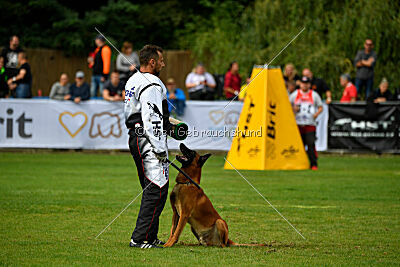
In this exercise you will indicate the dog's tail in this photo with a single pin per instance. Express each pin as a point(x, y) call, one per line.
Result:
point(233, 244)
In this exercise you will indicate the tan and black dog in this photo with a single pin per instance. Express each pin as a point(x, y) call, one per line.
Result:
point(191, 205)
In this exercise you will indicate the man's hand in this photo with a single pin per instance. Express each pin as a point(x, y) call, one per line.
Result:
point(117, 98)
point(12, 86)
point(380, 100)
point(161, 156)
point(318, 112)
point(172, 96)
point(77, 99)
point(296, 108)
point(67, 97)
point(103, 79)
point(328, 100)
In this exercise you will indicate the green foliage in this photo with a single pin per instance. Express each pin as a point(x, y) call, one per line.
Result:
point(51, 24)
point(334, 31)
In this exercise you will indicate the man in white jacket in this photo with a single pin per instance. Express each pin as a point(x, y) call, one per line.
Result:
point(146, 115)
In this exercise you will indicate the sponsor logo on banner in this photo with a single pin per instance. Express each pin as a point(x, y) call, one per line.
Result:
point(8, 123)
point(224, 122)
point(290, 152)
point(112, 127)
point(73, 123)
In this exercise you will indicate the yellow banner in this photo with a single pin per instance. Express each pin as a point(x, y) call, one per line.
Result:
point(267, 137)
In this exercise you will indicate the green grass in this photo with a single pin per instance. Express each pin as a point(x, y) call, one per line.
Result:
point(54, 204)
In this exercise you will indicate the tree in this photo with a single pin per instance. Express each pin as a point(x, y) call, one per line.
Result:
point(334, 31)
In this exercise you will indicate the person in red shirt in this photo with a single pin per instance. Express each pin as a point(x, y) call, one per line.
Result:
point(232, 82)
point(350, 91)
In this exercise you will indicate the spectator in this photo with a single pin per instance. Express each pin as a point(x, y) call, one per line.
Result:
point(79, 91)
point(350, 91)
point(307, 105)
point(290, 74)
point(176, 98)
point(100, 65)
point(10, 55)
point(365, 61)
point(318, 85)
point(382, 94)
point(232, 81)
point(127, 62)
point(114, 90)
point(291, 87)
point(22, 82)
point(61, 88)
point(396, 96)
point(3, 79)
point(200, 84)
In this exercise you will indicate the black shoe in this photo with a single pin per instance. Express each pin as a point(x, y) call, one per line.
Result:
point(142, 245)
point(158, 242)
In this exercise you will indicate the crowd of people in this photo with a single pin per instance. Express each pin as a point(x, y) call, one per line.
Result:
point(16, 78)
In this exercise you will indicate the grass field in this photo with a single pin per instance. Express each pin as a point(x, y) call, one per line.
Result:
point(54, 204)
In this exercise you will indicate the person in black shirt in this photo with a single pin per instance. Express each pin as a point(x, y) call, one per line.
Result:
point(22, 82)
point(382, 94)
point(80, 90)
point(114, 89)
point(10, 55)
point(3, 79)
point(290, 76)
point(318, 85)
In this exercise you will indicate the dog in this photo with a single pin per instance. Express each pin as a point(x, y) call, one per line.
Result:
point(191, 205)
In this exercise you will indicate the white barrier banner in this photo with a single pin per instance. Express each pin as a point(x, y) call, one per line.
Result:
point(92, 124)
point(322, 129)
point(98, 124)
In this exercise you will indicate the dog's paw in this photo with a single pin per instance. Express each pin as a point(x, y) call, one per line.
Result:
point(168, 245)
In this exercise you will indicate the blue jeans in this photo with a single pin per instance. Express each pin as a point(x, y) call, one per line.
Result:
point(96, 85)
point(23, 90)
point(368, 83)
point(176, 106)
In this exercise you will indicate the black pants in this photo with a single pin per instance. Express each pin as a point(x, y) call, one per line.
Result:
point(309, 141)
point(201, 95)
point(153, 199)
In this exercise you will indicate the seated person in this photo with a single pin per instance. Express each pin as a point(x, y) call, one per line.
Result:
point(61, 88)
point(290, 86)
point(114, 89)
point(80, 90)
point(396, 96)
point(176, 98)
point(382, 94)
point(350, 91)
point(200, 84)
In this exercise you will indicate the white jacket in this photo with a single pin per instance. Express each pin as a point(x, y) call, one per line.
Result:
point(144, 93)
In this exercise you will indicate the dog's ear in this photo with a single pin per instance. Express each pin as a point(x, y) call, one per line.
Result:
point(203, 159)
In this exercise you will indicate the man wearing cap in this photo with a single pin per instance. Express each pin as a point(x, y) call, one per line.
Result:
point(79, 90)
point(307, 105)
point(100, 63)
point(176, 98)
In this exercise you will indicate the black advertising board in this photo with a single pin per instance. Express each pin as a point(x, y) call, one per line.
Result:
point(358, 126)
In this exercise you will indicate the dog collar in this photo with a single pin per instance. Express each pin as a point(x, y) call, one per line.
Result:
point(186, 183)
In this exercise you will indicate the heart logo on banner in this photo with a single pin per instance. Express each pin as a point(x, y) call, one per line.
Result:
point(73, 123)
point(216, 116)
